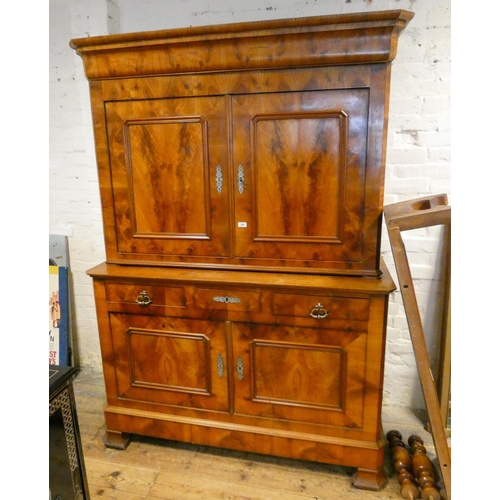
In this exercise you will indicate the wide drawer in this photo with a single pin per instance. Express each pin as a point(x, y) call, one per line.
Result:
point(228, 300)
point(320, 306)
point(145, 295)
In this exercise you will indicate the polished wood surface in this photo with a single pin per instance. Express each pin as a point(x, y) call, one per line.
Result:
point(407, 215)
point(152, 468)
point(285, 43)
point(164, 195)
point(402, 463)
point(241, 173)
point(258, 144)
point(424, 470)
point(231, 365)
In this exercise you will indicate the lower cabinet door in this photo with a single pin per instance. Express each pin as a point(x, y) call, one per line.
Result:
point(172, 361)
point(311, 375)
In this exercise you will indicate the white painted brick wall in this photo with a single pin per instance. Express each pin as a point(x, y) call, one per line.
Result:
point(418, 154)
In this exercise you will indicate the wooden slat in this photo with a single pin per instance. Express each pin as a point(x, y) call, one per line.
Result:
point(418, 213)
point(444, 375)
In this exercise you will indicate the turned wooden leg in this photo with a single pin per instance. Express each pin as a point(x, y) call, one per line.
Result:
point(373, 480)
point(402, 464)
point(116, 440)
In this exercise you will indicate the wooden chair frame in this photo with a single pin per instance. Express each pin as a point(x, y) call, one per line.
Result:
point(415, 214)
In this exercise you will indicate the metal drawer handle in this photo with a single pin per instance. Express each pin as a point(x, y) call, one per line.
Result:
point(319, 312)
point(220, 365)
point(227, 300)
point(143, 299)
point(239, 367)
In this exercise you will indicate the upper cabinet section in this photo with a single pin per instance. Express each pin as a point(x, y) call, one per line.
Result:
point(256, 145)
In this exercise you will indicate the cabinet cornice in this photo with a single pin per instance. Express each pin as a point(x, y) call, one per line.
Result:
point(363, 38)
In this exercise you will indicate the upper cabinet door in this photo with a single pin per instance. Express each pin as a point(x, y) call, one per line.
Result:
point(168, 162)
point(299, 161)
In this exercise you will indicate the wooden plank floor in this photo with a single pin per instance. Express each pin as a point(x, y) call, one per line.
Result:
point(164, 470)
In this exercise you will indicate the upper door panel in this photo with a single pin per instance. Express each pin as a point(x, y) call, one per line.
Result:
point(300, 159)
point(168, 163)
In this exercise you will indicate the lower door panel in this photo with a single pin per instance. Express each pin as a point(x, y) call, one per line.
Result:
point(172, 361)
point(300, 374)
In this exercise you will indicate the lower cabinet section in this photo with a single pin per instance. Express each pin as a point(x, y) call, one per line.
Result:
point(286, 365)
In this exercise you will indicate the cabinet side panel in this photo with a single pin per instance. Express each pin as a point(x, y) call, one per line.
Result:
point(103, 167)
point(105, 341)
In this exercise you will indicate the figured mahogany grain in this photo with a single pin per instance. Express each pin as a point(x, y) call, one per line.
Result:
point(310, 388)
point(243, 303)
point(250, 145)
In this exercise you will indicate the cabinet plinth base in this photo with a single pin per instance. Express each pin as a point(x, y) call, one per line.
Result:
point(116, 440)
point(366, 456)
point(373, 480)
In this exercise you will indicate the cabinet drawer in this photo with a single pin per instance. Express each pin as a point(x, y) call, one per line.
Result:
point(320, 306)
point(144, 294)
point(229, 300)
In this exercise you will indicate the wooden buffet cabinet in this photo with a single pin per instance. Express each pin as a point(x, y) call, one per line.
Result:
point(243, 301)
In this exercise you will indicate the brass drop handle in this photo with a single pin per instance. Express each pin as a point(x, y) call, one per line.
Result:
point(319, 312)
point(143, 299)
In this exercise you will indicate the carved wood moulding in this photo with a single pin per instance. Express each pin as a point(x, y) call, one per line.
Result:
point(316, 41)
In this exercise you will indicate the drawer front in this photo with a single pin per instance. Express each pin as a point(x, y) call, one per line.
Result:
point(145, 295)
point(320, 307)
point(228, 300)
